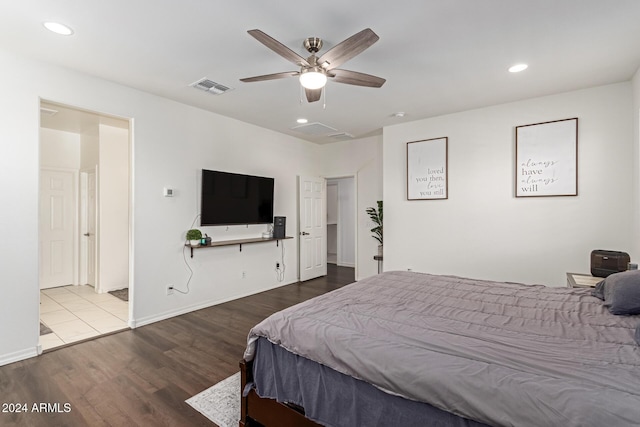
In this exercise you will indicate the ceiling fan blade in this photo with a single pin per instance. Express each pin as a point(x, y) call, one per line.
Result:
point(355, 78)
point(313, 95)
point(278, 48)
point(270, 76)
point(347, 49)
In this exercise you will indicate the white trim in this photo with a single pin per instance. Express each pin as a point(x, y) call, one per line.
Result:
point(131, 222)
point(135, 323)
point(346, 264)
point(18, 356)
point(356, 225)
point(82, 224)
point(98, 231)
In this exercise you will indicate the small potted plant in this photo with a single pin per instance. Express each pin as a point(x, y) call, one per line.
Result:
point(376, 217)
point(193, 236)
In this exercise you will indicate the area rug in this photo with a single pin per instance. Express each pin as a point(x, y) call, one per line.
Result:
point(221, 402)
point(123, 294)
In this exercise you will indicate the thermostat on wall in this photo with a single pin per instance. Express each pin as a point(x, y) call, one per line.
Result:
point(168, 192)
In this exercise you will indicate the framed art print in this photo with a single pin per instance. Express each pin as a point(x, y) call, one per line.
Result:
point(547, 159)
point(427, 170)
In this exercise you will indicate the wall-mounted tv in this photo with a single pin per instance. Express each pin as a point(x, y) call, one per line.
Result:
point(231, 198)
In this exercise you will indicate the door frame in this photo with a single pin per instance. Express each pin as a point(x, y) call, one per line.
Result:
point(131, 166)
point(337, 224)
point(355, 213)
point(82, 224)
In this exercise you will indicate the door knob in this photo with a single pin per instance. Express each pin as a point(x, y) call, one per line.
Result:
point(304, 233)
point(87, 234)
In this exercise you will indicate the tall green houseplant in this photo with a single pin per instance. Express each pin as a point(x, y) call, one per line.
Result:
point(376, 217)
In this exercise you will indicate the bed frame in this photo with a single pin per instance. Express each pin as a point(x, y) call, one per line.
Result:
point(256, 410)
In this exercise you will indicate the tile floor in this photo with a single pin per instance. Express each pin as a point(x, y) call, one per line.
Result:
point(76, 313)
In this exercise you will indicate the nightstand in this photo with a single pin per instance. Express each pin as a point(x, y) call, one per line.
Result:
point(579, 280)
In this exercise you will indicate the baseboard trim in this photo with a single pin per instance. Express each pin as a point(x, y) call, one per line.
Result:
point(18, 356)
point(135, 323)
point(346, 264)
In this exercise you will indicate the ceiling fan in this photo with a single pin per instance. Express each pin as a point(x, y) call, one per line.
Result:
point(314, 71)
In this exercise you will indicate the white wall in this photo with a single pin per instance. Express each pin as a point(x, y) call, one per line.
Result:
point(89, 148)
point(482, 230)
point(19, 214)
point(636, 161)
point(361, 158)
point(59, 149)
point(113, 192)
point(171, 143)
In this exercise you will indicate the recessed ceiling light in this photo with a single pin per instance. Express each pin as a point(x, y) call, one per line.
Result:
point(58, 28)
point(302, 121)
point(517, 68)
point(399, 114)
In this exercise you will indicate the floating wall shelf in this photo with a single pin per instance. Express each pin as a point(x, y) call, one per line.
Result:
point(238, 242)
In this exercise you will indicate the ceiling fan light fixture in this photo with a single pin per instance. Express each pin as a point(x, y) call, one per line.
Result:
point(314, 71)
point(312, 78)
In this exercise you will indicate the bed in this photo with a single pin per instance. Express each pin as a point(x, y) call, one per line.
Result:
point(411, 348)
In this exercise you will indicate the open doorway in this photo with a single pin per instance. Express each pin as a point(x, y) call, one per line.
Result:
point(84, 224)
point(341, 221)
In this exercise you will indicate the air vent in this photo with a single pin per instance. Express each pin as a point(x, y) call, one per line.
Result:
point(210, 86)
point(314, 129)
point(342, 136)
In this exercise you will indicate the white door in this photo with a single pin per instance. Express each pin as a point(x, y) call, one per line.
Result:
point(90, 231)
point(313, 227)
point(57, 223)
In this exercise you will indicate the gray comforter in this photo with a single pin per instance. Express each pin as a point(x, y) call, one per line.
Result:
point(500, 353)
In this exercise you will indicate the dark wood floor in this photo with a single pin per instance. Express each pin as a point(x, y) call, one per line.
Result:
point(142, 377)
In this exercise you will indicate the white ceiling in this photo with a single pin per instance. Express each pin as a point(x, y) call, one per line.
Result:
point(438, 56)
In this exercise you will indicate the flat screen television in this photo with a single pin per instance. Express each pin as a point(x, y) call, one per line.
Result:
point(231, 198)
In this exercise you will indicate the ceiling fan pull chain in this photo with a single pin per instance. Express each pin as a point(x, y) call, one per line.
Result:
point(324, 98)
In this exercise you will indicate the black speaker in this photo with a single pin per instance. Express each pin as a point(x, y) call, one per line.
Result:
point(279, 227)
